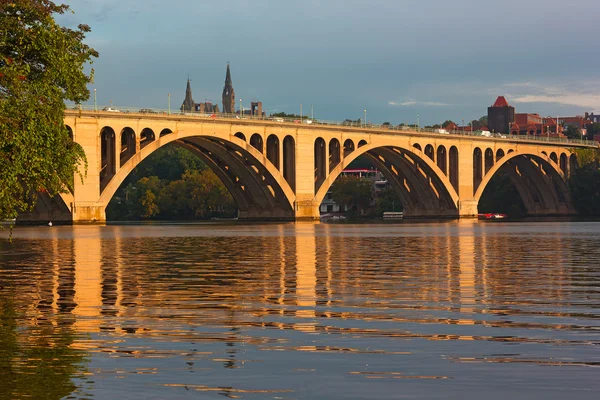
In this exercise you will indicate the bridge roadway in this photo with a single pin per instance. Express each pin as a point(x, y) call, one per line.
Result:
point(283, 170)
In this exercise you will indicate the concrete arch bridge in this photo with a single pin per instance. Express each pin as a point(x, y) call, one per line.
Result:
point(283, 170)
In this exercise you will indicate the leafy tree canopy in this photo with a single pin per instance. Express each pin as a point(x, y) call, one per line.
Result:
point(41, 66)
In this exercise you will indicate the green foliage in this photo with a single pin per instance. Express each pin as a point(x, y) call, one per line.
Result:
point(572, 132)
point(584, 182)
point(193, 193)
point(168, 163)
point(585, 190)
point(354, 193)
point(387, 200)
point(501, 196)
point(41, 66)
point(31, 364)
point(587, 157)
point(593, 129)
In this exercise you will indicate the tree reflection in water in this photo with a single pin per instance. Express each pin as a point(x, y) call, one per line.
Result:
point(37, 359)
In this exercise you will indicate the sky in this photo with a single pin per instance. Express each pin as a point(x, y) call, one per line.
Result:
point(397, 59)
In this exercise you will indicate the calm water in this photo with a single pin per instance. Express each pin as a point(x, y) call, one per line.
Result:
point(461, 309)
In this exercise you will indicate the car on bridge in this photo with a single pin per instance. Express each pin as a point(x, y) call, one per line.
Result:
point(110, 109)
point(147, 111)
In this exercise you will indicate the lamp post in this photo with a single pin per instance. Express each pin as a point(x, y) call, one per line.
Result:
point(418, 123)
point(241, 109)
point(312, 112)
point(463, 125)
point(169, 97)
point(95, 107)
point(365, 118)
point(300, 113)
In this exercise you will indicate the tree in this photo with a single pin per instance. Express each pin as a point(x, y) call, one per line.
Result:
point(41, 66)
point(387, 200)
point(584, 182)
point(593, 129)
point(572, 132)
point(354, 193)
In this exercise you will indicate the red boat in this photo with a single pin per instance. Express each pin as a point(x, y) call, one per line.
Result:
point(491, 216)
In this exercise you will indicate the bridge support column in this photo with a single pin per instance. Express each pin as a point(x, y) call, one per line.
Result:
point(307, 210)
point(304, 206)
point(88, 213)
point(467, 208)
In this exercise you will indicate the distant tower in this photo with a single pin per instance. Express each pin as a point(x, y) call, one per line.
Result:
point(500, 116)
point(228, 94)
point(188, 103)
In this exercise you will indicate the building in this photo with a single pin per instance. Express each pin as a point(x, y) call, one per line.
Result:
point(229, 94)
point(500, 116)
point(593, 118)
point(190, 106)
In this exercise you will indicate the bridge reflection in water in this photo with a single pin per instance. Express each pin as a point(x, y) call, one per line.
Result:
point(240, 297)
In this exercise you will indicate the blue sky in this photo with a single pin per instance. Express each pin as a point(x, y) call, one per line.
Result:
point(440, 59)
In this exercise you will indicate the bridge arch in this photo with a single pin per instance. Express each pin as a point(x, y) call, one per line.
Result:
point(539, 180)
point(108, 167)
point(257, 186)
point(441, 159)
point(240, 135)
point(256, 141)
point(146, 137)
point(128, 145)
point(421, 185)
point(320, 159)
point(348, 147)
point(273, 150)
point(289, 161)
point(429, 152)
point(334, 153)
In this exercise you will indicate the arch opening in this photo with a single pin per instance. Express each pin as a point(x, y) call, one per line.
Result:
point(489, 159)
point(348, 147)
point(453, 160)
point(273, 150)
point(441, 159)
point(107, 157)
point(319, 166)
point(128, 145)
point(334, 154)
point(289, 161)
point(256, 141)
point(477, 168)
point(146, 137)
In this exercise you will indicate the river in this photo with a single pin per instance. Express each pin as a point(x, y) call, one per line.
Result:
point(455, 309)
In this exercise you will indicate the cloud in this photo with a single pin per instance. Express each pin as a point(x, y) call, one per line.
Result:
point(587, 101)
point(583, 94)
point(409, 103)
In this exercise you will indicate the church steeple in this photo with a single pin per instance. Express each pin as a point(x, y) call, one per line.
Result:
point(188, 103)
point(228, 94)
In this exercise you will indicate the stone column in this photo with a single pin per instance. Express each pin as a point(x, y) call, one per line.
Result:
point(305, 207)
point(467, 204)
point(86, 206)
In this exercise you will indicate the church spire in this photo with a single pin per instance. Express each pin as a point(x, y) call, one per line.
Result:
point(228, 94)
point(188, 102)
point(228, 76)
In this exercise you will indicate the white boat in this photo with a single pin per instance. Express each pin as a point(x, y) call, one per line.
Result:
point(393, 215)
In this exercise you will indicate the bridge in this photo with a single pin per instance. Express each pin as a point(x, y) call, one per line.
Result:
point(283, 170)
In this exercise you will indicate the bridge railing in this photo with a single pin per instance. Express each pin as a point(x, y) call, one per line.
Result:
point(306, 120)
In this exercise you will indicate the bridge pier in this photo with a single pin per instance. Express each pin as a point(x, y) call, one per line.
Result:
point(307, 210)
point(467, 208)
